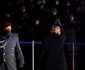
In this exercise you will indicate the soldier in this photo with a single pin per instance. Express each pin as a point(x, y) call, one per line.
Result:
point(10, 52)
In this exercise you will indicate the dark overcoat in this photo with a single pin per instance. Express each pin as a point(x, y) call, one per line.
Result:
point(12, 53)
point(52, 57)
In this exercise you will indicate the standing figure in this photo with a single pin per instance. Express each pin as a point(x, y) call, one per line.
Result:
point(11, 55)
point(53, 57)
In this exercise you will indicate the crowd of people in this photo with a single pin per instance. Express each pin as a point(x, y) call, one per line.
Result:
point(33, 18)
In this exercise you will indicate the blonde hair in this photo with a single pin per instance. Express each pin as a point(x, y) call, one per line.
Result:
point(53, 28)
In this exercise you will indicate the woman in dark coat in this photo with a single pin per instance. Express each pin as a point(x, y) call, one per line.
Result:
point(52, 57)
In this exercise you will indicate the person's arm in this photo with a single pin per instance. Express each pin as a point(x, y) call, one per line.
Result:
point(42, 54)
point(59, 23)
point(62, 31)
point(19, 54)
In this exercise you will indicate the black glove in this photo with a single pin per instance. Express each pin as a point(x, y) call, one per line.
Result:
point(21, 65)
point(58, 22)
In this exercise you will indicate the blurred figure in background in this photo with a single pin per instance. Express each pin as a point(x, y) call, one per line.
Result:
point(71, 38)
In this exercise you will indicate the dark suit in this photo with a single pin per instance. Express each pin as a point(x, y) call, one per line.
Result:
point(52, 57)
point(12, 52)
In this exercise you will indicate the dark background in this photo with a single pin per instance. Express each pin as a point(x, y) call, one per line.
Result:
point(24, 23)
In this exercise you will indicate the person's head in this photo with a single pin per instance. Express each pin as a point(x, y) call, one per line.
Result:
point(54, 11)
point(57, 2)
point(68, 3)
point(39, 2)
point(7, 15)
point(7, 28)
point(23, 8)
point(56, 29)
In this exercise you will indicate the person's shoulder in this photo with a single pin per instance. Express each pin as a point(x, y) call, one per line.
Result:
point(14, 33)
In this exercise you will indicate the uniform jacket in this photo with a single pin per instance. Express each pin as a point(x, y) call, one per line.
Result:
point(12, 52)
point(52, 57)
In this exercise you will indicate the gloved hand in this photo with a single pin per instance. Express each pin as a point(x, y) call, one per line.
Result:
point(58, 22)
point(21, 65)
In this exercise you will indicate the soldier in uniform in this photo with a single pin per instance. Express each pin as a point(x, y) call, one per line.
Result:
point(10, 52)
